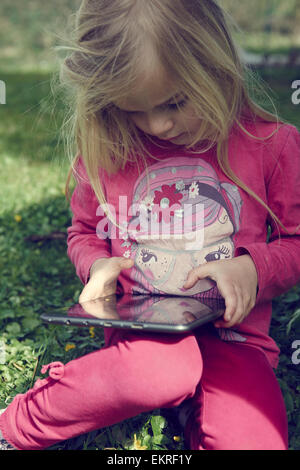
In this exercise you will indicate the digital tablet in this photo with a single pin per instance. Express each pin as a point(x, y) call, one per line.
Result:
point(169, 314)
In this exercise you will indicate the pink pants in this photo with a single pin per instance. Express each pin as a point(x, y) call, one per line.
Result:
point(236, 398)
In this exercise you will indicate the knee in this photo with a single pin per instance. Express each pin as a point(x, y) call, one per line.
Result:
point(239, 430)
point(247, 442)
point(163, 375)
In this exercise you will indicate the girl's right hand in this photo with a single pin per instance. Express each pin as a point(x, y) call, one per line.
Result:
point(104, 274)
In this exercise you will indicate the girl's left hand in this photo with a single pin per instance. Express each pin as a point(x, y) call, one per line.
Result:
point(236, 280)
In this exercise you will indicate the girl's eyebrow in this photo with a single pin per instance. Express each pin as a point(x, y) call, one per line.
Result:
point(174, 97)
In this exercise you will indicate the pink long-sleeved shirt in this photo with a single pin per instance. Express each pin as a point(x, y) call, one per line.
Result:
point(183, 194)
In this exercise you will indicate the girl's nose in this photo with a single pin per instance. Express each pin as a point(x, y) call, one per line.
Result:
point(159, 125)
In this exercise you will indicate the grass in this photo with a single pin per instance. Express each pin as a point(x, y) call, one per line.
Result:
point(38, 275)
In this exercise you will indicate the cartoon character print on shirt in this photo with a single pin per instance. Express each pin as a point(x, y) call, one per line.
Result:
point(186, 217)
point(183, 221)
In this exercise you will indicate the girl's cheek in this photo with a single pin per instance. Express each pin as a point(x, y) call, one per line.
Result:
point(139, 123)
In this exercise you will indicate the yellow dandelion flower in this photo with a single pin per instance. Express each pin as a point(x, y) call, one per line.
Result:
point(69, 346)
point(18, 218)
point(92, 331)
point(137, 444)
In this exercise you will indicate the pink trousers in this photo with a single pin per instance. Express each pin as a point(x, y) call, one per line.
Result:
point(237, 403)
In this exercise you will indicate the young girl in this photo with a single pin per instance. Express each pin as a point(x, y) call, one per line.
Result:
point(166, 133)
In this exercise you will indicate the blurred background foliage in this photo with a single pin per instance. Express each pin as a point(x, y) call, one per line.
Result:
point(274, 17)
point(29, 29)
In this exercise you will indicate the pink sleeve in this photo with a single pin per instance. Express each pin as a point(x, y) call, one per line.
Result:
point(278, 261)
point(84, 247)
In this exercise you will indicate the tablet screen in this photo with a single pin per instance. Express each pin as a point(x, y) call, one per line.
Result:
point(144, 310)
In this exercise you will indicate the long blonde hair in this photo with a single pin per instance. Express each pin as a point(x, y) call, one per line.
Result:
point(193, 41)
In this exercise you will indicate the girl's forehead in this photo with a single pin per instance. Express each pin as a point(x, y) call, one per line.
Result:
point(153, 87)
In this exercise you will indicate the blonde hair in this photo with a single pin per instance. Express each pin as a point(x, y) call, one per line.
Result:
point(193, 41)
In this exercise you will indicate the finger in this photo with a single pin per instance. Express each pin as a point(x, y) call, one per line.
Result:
point(125, 263)
point(245, 306)
point(90, 293)
point(227, 291)
point(239, 308)
point(249, 301)
point(110, 275)
point(85, 296)
point(191, 280)
point(231, 300)
point(97, 288)
point(201, 272)
point(239, 312)
point(106, 281)
point(109, 284)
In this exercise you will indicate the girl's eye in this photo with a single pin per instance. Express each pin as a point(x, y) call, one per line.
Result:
point(170, 107)
point(132, 112)
point(175, 106)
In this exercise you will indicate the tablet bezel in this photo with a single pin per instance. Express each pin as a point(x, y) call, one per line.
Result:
point(61, 317)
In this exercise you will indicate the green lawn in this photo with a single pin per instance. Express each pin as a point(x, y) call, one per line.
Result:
point(38, 275)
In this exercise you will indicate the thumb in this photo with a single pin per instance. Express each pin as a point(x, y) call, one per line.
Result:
point(125, 263)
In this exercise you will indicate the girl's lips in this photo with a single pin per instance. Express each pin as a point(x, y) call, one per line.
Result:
point(176, 137)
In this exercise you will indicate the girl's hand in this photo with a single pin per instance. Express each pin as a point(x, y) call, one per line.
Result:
point(104, 274)
point(236, 280)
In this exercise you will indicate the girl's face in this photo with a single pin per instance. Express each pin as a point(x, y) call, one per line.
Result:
point(152, 107)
